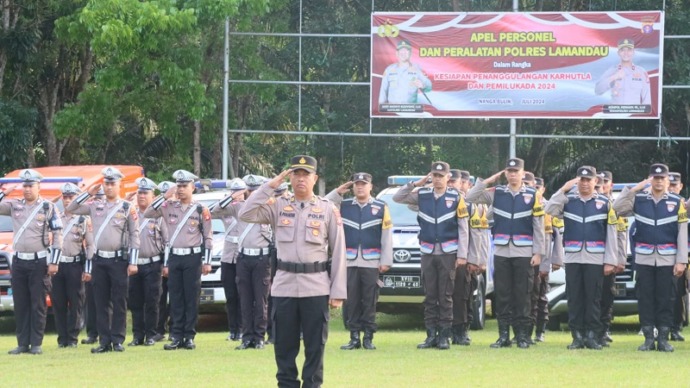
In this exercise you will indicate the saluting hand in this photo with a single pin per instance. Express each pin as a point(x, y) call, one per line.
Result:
point(130, 196)
point(170, 193)
point(423, 181)
point(494, 178)
point(9, 189)
point(344, 188)
point(93, 190)
point(132, 270)
point(335, 303)
point(642, 184)
point(236, 196)
point(278, 179)
point(206, 269)
point(569, 185)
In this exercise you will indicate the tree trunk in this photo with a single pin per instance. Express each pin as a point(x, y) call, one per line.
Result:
point(197, 148)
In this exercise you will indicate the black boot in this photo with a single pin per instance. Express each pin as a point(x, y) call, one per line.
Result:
point(431, 339)
point(367, 340)
point(675, 334)
point(591, 340)
point(354, 341)
point(457, 330)
point(539, 335)
point(503, 340)
point(467, 333)
point(606, 336)
point(463, 338)
point(443, 342)
point(662, 344)
point(523, 334)
point(528, 334)
point(578, 341)
point(648, 344)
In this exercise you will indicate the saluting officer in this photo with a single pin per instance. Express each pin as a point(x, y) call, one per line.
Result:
point(443, 240)
point(34, 222)
point(519, 245)
point(675, 187)
point(308, 231)
point(116, 226)
point(661, 251)
point(67, 295)
point(591, 252)
point(190, 244)
point(163, 305)
point(90, 302)
point(145, 285)
point(369, 251)
point(228, 260)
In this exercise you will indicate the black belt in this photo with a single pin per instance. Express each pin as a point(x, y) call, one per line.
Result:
point(319, 266)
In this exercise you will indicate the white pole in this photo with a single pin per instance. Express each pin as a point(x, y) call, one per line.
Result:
point(226, 85)
point(513, 122)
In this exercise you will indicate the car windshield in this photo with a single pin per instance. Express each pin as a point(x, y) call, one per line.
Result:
point(400, 214)
point(5, 224)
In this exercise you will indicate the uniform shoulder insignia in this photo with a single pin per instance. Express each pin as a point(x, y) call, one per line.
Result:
point(271, 201)
point(206, 214)
point(425, 190)
point(336, 213)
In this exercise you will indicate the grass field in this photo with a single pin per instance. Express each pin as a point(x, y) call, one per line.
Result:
point(396, 362)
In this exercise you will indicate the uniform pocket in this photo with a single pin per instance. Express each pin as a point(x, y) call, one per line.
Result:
point(285, 230)
point(315, 233)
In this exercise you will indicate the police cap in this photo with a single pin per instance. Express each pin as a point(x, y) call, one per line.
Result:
point(454, 174)
point(627, 42)
point(529, 177)
point(253, 181)
point(587, 172)
point(111, 174)
point(606, 175)
point(404, 44)
point(236, 184)
point(69, 189)
point(30, 176)
point(442, 168)
point(539, 182)
point(145, 184)
point(674, 178)
point(515, 164)
point(658, 169)
point(165, 186)
point(303, 162)
point(361, 177)
point(184, 176)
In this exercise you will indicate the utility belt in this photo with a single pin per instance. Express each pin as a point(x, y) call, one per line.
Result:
point(109, 254)
point(255, 251)
point(319, 266)
point(31, 255)
point(185, 251)
point(148, 260)
point(70, 259)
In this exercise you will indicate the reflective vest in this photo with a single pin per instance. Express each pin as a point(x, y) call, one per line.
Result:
point(657, 223)
point(362, 226)
point(438, 219)
point(513, 215)
point(585, 223)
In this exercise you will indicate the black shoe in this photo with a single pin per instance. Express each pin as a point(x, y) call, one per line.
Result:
point(136, 342)
point(19, 350)
point(676, 336)
point(259, 344)
point(89, 340)
point(662, 344)
point(36, 349)
point(189, 344)
point(118, 348)
point(72, 345)
point(443, 342)
point(607, 336)
point(503, 340)
point(173, 345)
point(60, 346)
point(158, 337)
point(246, 344)
point(354, 343)
point(234, 335)
point(102, 349)
point(149, 342)
point(591, 341)
point(368, 340)
point(648, 344)
point(578, 341)
point(431, 339)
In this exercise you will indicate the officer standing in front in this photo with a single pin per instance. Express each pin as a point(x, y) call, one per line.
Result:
point(402, 81)
point(188, 255)
point(443, 240)
point(308, 231)
point(67, 295)
point(116, 228)
point(519, 245)
point(35, 223)
point(145, 285)
point(661, 251)
point(675, 187)
point(591, 252)
point(163, 305)
point(369, 251)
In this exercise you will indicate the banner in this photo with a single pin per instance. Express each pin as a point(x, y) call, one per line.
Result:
point(517, 65)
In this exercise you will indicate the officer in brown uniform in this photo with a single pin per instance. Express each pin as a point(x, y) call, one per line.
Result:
point(519, 246)
point(116, 234)
point(34, 222)
point(369, 251)
point(253, 267)
point(145, 285)
point(90, 302)
point(188, 257)
point(443, 238)
point(308, 231)
point(675, 186)
point(163, 305)
point(67, 295)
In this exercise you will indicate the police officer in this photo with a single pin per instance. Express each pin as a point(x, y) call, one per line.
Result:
point(145, 285)
point(189, 249)
point(519, 246)
point(591, 252)
point(228, 260)
point(443, 239)
point(90, 302)
point(116, 228)
point(369, 251)
point(530, 181)
point(253, 267)
point(308, 231)
point(402, 81)
point(661, 251)
point(628, 82)
point(67, 295)
point(163, 305)
point(34, 222)
point(675, 187)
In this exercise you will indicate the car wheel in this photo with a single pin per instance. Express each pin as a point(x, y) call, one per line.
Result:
point(479, 305)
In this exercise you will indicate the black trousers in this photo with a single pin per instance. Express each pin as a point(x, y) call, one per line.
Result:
point(607, 291)
point(438, 278)
point(474, 283)
point(513, 278)
point(583, 284)
point(67, 297)
point(462, 295)
point(30, 285)
point(144, 296)
point(109, 277)
point(655, 288)
point(359, 311)
point(290, 317)
point(678, 304)
point(539, 313)
point(184, 286)
point(90, 310)
point(254, 282)
point(228, 277)
point(163, 308)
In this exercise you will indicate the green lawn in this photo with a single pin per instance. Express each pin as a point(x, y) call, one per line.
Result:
point(396, 363)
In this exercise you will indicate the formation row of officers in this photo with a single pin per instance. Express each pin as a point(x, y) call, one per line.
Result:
point(332, 249)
